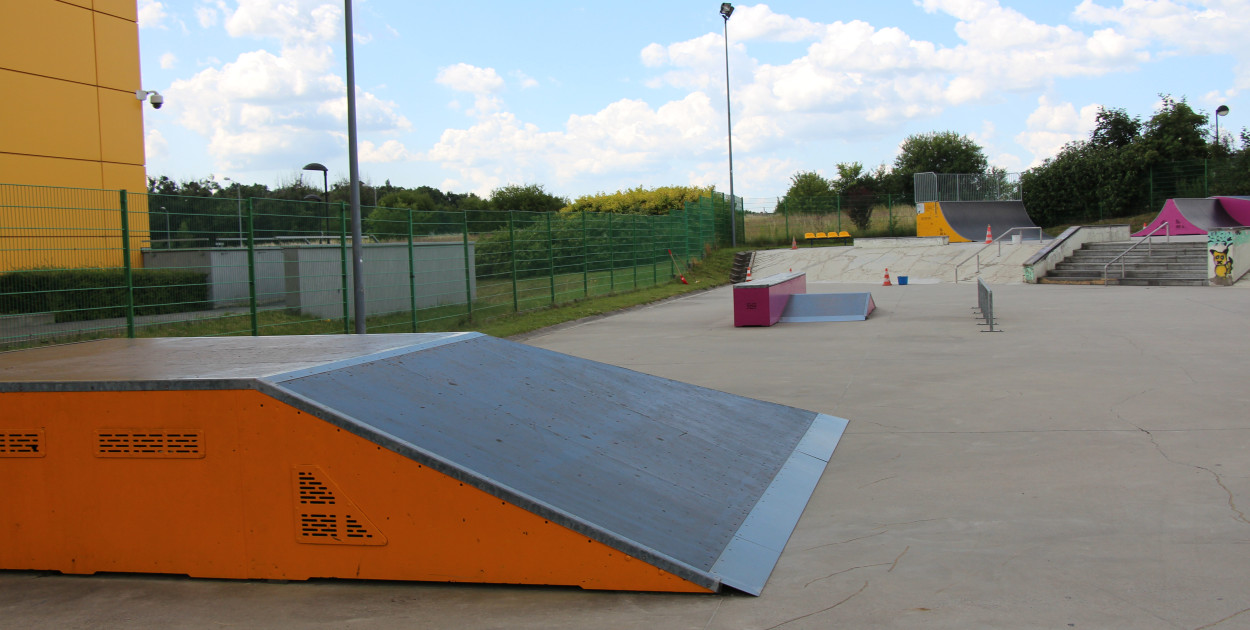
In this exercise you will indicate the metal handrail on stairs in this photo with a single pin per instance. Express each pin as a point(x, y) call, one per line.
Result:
point(998, 240)
point(1149, 249)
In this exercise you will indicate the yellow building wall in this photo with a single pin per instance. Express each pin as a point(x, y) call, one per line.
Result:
point(71, 121)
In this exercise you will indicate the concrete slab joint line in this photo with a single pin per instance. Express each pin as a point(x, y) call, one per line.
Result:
point(528, 452)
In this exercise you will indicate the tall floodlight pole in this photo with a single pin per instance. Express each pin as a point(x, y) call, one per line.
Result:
point(358, 256)
point(726, 10)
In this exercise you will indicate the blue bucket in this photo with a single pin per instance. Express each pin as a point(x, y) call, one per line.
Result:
point(902, 280)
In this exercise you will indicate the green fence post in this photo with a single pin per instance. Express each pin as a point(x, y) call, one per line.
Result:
point(412, 275)
point(838, 204)
point(347, 290)
point(516, 301)
point(655, 259)
point(251, 267)
point(468, 278)
point(551, 259)
point(611, 257)
point(1205, 191)
point(585, 260)
point(633, 249)
point(127, 272)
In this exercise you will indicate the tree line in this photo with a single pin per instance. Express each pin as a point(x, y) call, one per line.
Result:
point(1106, 175)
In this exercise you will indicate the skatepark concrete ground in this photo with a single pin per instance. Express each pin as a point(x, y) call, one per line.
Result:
point(1088, 467)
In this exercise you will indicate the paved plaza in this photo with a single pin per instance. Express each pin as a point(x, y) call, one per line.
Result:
point(1088, 467)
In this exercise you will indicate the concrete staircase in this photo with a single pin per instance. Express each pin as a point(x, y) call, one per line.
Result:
point(1163, 264)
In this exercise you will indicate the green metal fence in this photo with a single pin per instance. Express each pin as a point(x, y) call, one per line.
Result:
point(81, 264)
point(1198, 178)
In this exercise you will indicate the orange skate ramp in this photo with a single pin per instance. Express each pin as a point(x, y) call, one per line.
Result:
point(451, 457)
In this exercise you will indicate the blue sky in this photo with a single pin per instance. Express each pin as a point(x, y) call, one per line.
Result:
point(583, 97)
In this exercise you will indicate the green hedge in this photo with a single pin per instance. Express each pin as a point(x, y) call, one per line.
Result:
point(85, 294)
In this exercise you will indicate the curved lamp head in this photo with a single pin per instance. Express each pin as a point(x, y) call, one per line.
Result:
point(315, 166)
point(1222, 110)
point(312, 197)
point(726, 10)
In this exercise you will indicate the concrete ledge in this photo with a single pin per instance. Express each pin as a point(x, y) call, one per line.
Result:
point(903, 241)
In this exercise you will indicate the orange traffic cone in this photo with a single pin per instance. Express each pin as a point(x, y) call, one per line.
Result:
point(748, 274)
point(794, 243)
point(887, 278)
point(989, 237)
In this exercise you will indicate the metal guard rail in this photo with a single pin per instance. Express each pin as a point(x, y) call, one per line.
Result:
point(1149, 249)
point(999, 240)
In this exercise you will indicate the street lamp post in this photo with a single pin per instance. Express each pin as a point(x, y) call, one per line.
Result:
point(726, 10)
point(1222, 110)
point(325, 199)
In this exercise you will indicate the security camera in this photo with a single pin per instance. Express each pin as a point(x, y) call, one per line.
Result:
point(152, 96)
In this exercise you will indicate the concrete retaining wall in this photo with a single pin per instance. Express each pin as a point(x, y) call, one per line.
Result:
point(309, 278)
point(1228, 255)
point(314, 283)
point(226, 270)
point(1071, 240)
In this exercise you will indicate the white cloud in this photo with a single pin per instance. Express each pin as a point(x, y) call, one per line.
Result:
point(1213, 27)
point(262, 106)
point(206, 16)
point(759, 22)
point(155, 146)
point(525, 80)
point(168, 61)
point(152, 14)
point(290, 21)
point(463, 77)
point(1052, 125)
point(389, 151)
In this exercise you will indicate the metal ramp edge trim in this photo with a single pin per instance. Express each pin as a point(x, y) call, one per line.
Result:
point(762, 537)
point(492, 487)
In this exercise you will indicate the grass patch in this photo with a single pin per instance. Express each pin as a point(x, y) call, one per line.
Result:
point(770, 229)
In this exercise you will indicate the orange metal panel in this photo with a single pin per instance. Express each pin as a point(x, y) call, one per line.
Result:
point(931, 222)
point(117, 53)
point(125, 9)
point(236, 510)
point(121, 129)
point(53, 118)
point(50, 39)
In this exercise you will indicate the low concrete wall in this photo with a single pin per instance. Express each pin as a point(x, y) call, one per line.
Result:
point(314, 280)
point(1071, 240)
point(903, 241)
point(309, 278)
point(1228, 255)
point(226, 270)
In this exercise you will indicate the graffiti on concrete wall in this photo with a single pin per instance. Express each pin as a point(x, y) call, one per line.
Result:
point(1221, 245)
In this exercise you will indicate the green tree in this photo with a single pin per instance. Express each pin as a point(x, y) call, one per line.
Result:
point(525, 198)
point(937, 152)
point(1176, 132)
point(1115, 128)
point(809, 192)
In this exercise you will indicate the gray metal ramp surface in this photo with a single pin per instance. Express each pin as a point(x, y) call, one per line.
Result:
point(828, 307)
point(704, 484)
point(1207, 214)
point(701, 483)
point(969, 218)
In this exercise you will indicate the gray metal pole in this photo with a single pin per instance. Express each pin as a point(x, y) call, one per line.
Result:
point(358, 256)
point(733, 207)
